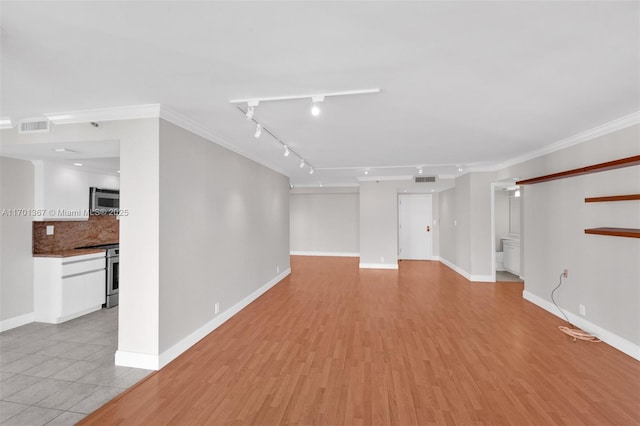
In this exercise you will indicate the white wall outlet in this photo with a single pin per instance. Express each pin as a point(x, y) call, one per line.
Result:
point(583, 310)
point(565, 273)
point(49, 229)
point(216, 308)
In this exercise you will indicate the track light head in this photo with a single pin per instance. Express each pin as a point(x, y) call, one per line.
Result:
point(250, 112)
point(419, 170)
point(311, 171)
point(315, 108)
point(301, 163)
point(258, 131)
point(286, 151)
point(366, 172)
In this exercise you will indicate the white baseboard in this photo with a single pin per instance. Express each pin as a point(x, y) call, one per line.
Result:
point(612, 339)
point(378, 266)
point(137, 360)
point(14, 322)
point(436, 258)
point(156, 362)
point(459, 270)
point(324, 253)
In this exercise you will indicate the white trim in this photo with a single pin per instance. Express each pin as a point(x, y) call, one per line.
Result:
point(18, 321)
point(435, 258)
point(156, 362)
point(468, 276)
point(612, 339)
point(378, 266)
point(105, 114)
point(603, 129)
point(137, 360)
point(60, 320)
point(324, 253)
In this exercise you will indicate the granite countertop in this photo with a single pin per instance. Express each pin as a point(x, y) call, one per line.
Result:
point(69, 253)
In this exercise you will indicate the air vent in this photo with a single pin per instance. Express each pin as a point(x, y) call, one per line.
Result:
point(34, 125)
point(425, 179)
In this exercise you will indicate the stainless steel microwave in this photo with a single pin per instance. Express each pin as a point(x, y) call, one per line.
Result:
point(104, 201)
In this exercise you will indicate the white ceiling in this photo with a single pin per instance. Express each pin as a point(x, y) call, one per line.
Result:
point(462, 83)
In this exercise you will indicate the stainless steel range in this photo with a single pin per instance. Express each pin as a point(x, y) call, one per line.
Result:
point(113, 273)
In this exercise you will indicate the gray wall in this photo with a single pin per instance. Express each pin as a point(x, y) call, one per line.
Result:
point(480, 224)
point(465, 214)
point(447, 212)
point(224, 230)
point(325, 221)
point(16, 261)
point(379, 223)
point(604, 272)
point(502, 217)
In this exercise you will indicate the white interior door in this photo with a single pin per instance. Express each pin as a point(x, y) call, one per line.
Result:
point(414, 227)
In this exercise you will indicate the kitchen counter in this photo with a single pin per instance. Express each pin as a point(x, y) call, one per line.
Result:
point(69, 253)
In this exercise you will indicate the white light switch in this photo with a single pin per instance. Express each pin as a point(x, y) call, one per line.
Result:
point(49, 229)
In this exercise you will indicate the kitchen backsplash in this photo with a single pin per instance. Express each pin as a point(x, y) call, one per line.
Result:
point(69, 235)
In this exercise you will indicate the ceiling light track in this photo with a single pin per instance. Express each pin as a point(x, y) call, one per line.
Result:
point(255, 101)
point(260, 129)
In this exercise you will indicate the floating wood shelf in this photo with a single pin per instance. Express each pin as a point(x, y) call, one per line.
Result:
point(615, 232)
point(629, 197)
point(601, 167)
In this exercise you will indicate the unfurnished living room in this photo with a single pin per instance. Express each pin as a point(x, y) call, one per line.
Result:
point(328, 213)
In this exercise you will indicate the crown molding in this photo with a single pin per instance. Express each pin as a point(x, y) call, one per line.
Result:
point(194, 127)
point(105, 114)
point(601, 130)
point(150, 111)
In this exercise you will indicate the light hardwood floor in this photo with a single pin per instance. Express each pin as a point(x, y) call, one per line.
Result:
point(332, 344)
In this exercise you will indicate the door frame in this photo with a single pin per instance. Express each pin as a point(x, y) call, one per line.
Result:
point(430, 196)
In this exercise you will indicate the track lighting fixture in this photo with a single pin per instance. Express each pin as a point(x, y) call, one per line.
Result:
point(301, 163)
point(249, 113)
point(311, 170)
point(286, 151)
point(366, 172)
point(315, 108)
point(419, 170)
point(258, 131)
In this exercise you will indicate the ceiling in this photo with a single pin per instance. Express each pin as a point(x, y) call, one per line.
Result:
point(462, 84)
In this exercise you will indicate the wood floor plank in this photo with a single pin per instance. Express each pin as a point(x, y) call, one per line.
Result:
point(336, 345)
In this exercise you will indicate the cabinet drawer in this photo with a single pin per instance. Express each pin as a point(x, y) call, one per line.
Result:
point(74, 268)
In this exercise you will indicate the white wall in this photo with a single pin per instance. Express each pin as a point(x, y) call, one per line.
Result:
point(16, 261)
point(325, 221)
point(224, 231)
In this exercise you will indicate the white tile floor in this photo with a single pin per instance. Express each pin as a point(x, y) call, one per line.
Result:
point(57, 374)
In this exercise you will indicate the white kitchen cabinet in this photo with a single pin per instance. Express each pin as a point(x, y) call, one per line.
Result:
point(62, 193)
point(68, 287)
point(511, 256)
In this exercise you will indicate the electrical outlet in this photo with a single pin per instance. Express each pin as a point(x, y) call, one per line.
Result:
point(49, 229)
point(565, 273)
point(583, 310)
point(216, 308)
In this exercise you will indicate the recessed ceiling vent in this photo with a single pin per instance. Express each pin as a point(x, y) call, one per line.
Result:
point(34, 125)
point(425, 179)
